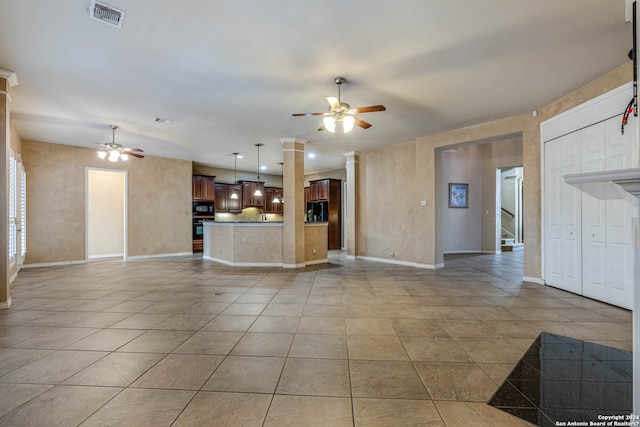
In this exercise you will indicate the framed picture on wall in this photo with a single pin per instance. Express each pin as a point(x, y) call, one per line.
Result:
point(458, 195)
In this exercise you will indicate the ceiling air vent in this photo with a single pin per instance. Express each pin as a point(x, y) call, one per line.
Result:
point(107, 14)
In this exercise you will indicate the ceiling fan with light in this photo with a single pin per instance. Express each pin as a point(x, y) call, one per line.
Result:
point(342, 113)
point(114, 151)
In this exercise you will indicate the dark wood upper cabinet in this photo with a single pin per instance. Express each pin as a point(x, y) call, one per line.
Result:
point(234, 205)
point(270, 193)
point(221, 197)
point(249, 199)
point(203, 188)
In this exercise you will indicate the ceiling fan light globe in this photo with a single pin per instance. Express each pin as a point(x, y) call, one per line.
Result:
point(330, 123)
point(102, 154)
point(114, 155)
point(347, 123)
point(124, 156)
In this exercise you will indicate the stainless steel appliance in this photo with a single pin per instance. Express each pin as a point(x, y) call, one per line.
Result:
point(203, 209)
point(198, 229)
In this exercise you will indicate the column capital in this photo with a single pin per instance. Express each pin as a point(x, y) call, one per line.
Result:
point(351, 153)
point(10, 76)
point(294, 139)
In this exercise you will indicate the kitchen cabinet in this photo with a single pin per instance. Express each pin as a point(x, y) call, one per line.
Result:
point(221, 197)
point(270, 193)
point(202, 188)
point(329, 191)
point(249, 199)
point(234, 205)
point(307, 195)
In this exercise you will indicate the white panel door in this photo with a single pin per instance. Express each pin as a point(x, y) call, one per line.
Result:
point(619, 147)
point(594, 267)
point(620, 253)
point(552, 211)
point(571, 214)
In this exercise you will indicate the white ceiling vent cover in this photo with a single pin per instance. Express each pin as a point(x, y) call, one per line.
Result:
point(107, 14)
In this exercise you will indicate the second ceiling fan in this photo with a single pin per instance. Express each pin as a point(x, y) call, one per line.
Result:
point(342, 113)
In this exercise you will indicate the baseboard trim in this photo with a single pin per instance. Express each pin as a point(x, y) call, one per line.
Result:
point(54, 264)
point(387, 261)
point(293, 265)
point(530, 279)
point(466, 251)
point(96, 257)
point(5, 304)
point(13, 277)
point(168, 255)
point(317, 261)
point(430, 266)
point(351, 257)
point(242, 264)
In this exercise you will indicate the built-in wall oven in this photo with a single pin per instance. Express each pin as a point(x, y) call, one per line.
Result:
point(198, 228)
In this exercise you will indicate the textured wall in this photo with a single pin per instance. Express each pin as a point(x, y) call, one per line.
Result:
point(159, 202)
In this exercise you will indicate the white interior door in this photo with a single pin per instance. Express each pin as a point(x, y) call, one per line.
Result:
point(106, 214)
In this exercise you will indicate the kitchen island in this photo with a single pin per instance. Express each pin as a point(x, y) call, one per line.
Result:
point(259, 244)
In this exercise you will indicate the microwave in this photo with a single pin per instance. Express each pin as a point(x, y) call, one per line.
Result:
point(203, 208)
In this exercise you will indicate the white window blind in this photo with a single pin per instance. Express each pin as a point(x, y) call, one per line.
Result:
point(12, 208)
point(23, 212)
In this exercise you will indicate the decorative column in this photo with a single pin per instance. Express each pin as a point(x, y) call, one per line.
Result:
point(294, 208)
point(351, 209)
point(7, 79)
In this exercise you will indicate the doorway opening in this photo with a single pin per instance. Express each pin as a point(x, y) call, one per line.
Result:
point(509, 191)
point(106, 215)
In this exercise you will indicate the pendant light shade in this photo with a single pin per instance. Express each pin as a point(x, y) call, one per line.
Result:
point(258, 193)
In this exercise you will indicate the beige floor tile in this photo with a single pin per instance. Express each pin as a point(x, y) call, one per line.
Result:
point(210, 343)
point(157, 341)
point(53, 368)
point(492, 350)
point(179, 372)
point(418, 328)
point(283, 310)
point(464, 414)
point(331, 299)
point(60, 406)
point(115, 370)
point(203, 307)
point(246, 374)
point(369, 326)
point(130, 306)
point(395, 412)
point(223, 323)
point(434, 349)
point(369, 347)
point(263, 344)
point(315, 377)
point(141, 407)
point(296, 411)
point(446, 313)
point(275, 324)
point(255, 298)
point(534, 314)
point(55, 338)
point(514, 328)
point(613, 331)
point(498, 372)
point(142, 321)
point(14, 395)
point(185, 322)
point(225, 409)
point(106, 340)
point(243, 309)
point(491, 313)
point(466, 329)
point(321, 325)
point(323, 310)
point(319, 346)
point(571, 329)
point(407, 311)
point(464, 382)
point(386, 380)
point(14, 358)
point(365, 310)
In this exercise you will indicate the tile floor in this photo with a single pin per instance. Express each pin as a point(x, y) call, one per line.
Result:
point(187, 342)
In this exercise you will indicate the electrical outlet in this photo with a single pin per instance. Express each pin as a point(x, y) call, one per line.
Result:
point(392, 254)
point(313, 251)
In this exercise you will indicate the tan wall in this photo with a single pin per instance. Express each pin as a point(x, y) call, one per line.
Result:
point(159, 202)
point(15, 140)
point(386, 194)
point(340, 174)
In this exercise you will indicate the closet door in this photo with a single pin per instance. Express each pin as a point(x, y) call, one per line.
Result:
point(563, 252)
point(594, 271)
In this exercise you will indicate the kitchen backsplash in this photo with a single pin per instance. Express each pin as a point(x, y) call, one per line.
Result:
point(248, 215)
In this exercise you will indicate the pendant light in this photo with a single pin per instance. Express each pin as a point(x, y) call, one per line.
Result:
point(258, 193)
point(277, 198)
point(234, 192)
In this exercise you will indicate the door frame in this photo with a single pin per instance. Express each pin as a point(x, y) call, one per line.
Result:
point(86, 209)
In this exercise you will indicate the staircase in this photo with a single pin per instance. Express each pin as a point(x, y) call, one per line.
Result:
point(510, 245)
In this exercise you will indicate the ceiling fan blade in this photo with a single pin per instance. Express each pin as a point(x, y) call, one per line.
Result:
point(333, 102)
point(140, 156)
point(369, 109)
point(362, 123)
point(321, 128)
point(134, 149)
point(308, 114)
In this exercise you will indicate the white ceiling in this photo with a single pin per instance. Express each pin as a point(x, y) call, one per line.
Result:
point(230, 73)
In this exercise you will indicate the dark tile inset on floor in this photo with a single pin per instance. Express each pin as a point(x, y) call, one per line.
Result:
point(562, 379)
